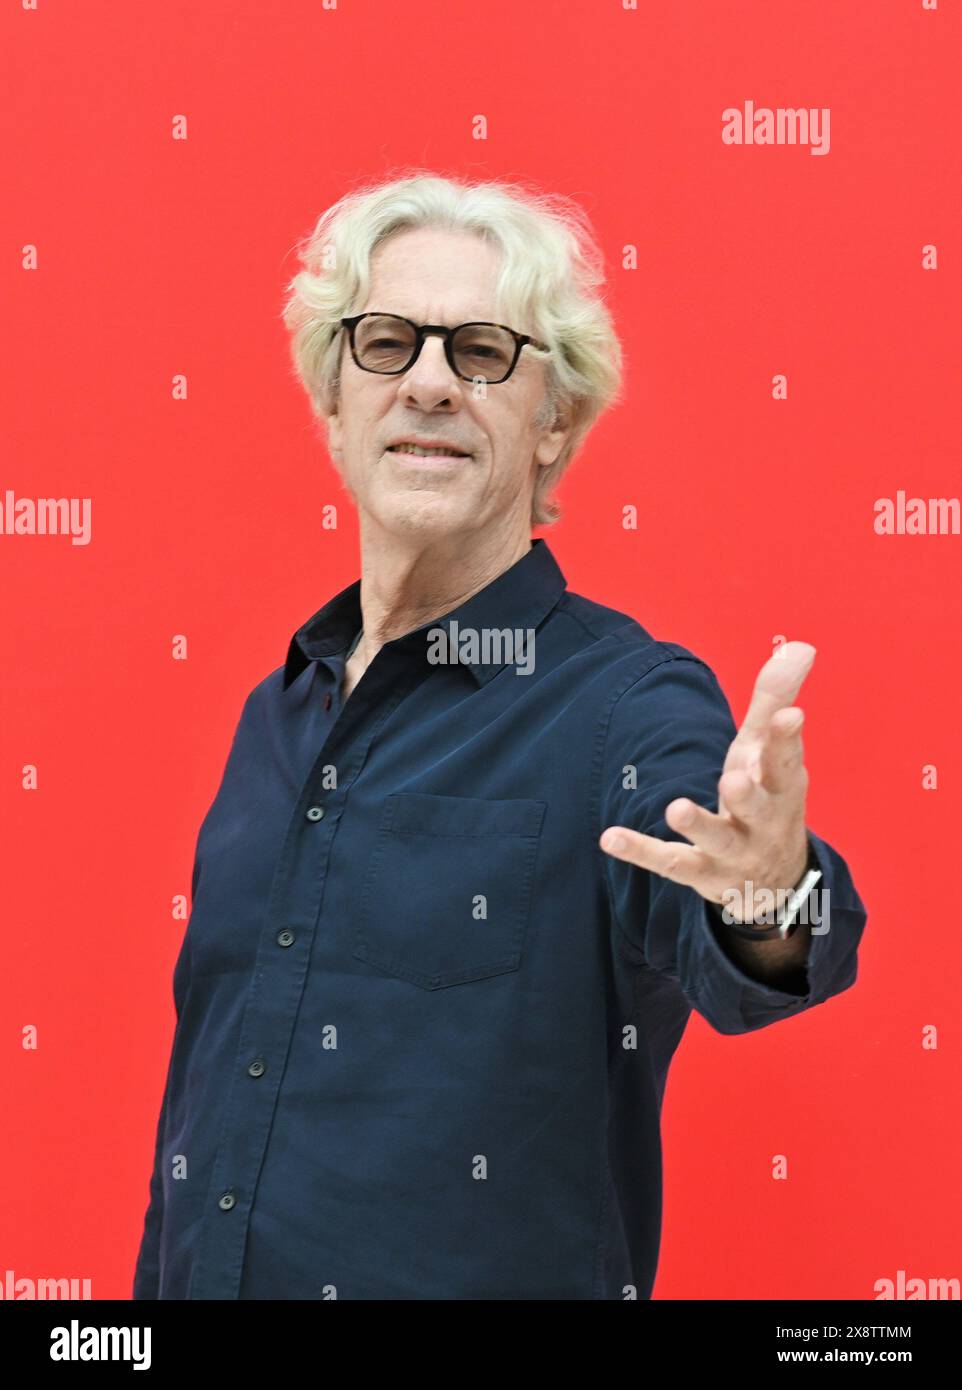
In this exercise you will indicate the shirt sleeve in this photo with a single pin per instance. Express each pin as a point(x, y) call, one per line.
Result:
point(147, 1270)
point(667, 736)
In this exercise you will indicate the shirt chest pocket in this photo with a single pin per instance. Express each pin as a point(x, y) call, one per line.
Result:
point(447, 892)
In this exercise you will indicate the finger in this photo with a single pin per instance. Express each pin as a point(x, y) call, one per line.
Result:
point(667, 858)
point(782, 757)
point(776, 686)
point(715, 834)
point(746, 800)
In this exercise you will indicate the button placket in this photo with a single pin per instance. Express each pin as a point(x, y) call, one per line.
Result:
point(274, 999)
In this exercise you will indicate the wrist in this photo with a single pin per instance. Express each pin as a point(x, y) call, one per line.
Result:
point(781, 910)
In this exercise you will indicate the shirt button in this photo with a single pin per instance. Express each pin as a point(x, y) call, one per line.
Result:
point(285, 937)
point(227, 1201)
point(257, 1067)
point(315, 812)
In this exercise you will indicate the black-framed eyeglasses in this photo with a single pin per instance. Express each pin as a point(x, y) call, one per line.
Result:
point(389, 344)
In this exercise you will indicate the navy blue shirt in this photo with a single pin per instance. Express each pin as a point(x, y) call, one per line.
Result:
point(423, 1020)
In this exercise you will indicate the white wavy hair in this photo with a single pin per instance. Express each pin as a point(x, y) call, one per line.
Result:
point(551, 279)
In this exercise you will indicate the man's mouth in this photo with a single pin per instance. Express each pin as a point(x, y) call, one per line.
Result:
point(421, 452)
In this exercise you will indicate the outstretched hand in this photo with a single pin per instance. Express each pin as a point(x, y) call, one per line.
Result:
point(758, 834)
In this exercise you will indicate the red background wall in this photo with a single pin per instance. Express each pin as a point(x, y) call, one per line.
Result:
point(160, 256)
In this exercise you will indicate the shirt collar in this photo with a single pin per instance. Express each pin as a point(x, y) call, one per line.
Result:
point(518, 599)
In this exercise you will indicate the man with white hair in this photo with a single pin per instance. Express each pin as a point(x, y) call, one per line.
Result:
point(481, 844)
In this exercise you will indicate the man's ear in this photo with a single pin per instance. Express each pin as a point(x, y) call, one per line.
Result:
point(329, 416)
point(554, 439)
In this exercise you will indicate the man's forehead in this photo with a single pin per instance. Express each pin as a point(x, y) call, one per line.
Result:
point(450, 317)
point(421, 287)
point(447, 303)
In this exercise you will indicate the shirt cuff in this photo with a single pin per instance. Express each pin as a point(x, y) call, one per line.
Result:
point(734, 1002)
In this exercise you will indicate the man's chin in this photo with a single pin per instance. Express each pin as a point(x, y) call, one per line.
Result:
point(424, 511)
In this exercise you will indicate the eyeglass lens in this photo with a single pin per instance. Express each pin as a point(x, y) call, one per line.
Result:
point(386, 344)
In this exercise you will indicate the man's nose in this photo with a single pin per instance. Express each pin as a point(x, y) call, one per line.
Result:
point(430, 378)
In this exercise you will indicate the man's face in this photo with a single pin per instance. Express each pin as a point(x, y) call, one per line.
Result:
point(434, 276)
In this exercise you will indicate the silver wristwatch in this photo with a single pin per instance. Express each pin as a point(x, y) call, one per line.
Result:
point(786, 919)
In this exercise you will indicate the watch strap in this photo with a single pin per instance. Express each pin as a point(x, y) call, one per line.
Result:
point(786, 921)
